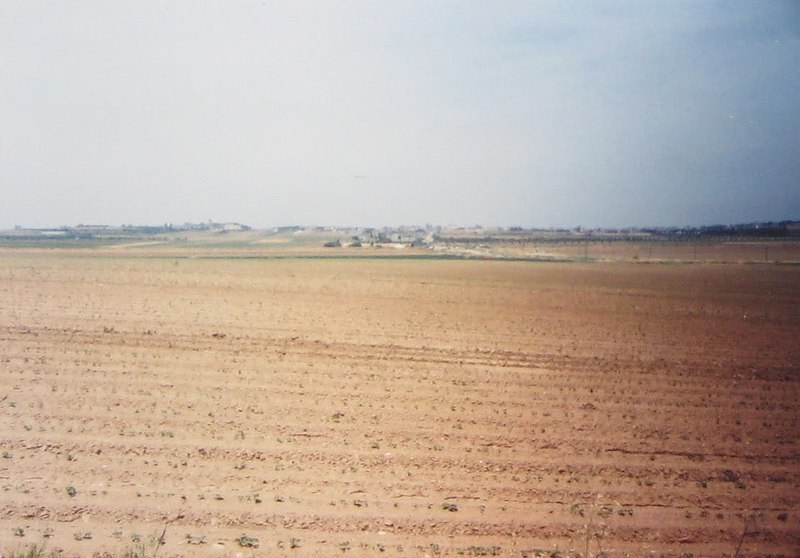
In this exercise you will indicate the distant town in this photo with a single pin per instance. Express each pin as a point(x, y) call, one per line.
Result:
point(415, 236)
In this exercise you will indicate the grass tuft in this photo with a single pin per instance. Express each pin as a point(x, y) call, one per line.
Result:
point(33, 551)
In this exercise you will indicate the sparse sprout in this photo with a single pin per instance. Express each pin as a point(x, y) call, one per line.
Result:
point(246, 541)
point(191, 539)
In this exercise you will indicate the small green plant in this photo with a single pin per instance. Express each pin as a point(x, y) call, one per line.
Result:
point(7, 455)
point(18, 531)
point(450, 506)
point(487, 551)
point(246, 541)
point(140, 550)
point(191, 539)
point(605, 511)
point(71, 491)
point(82, 535)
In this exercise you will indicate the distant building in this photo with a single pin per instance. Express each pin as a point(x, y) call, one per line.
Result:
point(234, 227)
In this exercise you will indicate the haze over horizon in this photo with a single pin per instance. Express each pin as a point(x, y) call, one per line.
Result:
point(535, 114)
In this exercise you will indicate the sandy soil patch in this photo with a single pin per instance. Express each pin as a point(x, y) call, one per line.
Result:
point(404, 408)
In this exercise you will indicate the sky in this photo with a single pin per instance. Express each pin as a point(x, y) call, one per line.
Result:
point(595, 113)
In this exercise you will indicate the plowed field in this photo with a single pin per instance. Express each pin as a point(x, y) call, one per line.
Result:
point(397, 407)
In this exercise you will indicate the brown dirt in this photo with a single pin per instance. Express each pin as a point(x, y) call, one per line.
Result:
point(341, 407)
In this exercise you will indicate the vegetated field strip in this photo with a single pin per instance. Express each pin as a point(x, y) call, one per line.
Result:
point(347, 404)
point(687, 250)
point(260, 245)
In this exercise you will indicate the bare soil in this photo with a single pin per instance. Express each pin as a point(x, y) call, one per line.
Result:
point(397, 407)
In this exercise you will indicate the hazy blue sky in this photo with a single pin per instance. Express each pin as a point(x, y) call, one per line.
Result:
point(536, 113)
